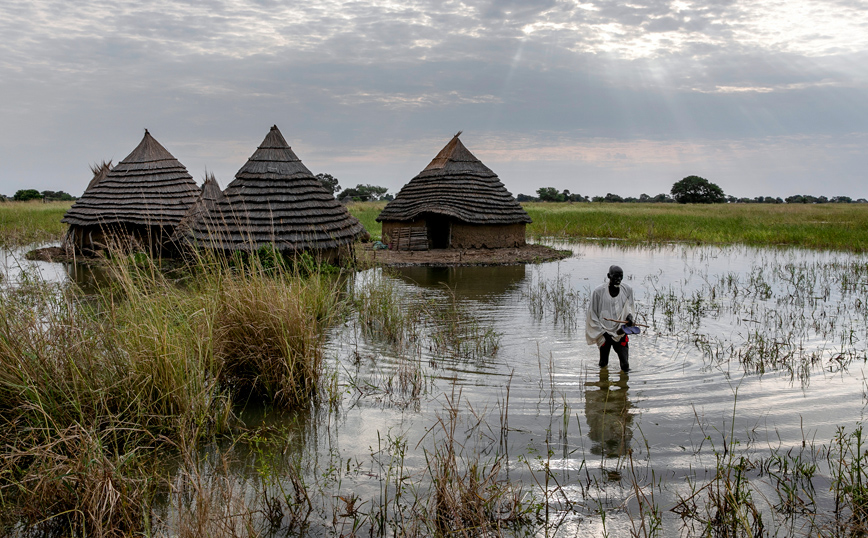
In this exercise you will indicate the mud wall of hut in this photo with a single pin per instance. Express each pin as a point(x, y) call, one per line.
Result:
point(487, 235)
point(463, 235)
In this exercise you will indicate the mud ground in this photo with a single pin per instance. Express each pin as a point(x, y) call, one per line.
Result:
point(366, 255)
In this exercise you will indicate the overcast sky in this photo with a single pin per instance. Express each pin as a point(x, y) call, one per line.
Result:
point(762, 97)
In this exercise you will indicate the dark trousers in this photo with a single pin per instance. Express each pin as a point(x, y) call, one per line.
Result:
point(622, 349)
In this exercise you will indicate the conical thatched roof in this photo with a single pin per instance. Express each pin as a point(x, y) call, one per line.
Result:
point(275, 199)
point(149, 187)
point(458, 185)
point(203, 209)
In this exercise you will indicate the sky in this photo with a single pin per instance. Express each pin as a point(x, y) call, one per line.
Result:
point(762, 97)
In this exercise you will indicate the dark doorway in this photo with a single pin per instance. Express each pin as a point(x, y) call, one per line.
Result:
point(439, 231)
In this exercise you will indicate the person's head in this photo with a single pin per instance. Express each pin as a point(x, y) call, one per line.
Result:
point(615, 276)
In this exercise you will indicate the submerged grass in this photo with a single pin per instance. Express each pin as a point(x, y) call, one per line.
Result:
point(25, 223)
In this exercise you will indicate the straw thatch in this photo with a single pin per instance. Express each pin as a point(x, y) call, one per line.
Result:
point(201, 212)
point(100, 171)
point(460, 201)
point(136, 204)
point(275, 200)
point(456, 184)
point(149, 187)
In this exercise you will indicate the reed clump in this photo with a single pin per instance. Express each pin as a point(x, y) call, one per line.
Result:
point(458, 333)
point(387, 313)
point(96, 391)
point(268, 335)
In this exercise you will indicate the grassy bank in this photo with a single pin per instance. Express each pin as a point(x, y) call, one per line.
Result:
point(823, 226)
point(25, 223)
point(817, 226)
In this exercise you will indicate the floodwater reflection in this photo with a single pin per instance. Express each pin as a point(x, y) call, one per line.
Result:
point(472, 282)
point(88, 277)
point(608, 411)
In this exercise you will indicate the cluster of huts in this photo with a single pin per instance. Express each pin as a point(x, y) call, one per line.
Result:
point(149, 198)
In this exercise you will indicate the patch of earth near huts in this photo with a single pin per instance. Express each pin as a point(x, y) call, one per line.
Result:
point(456, 257)
point(50, 254)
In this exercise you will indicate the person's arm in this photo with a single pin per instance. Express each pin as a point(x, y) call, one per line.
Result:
point(629, 309)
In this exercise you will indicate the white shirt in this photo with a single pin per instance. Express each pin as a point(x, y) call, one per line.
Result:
point(603, 305)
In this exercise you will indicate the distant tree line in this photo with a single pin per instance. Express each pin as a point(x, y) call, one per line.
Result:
point(551, 194)
point(24, 195)
point(360, 193)
point(690, 190)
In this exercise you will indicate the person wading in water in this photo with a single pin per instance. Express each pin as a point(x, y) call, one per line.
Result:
point(609, 303)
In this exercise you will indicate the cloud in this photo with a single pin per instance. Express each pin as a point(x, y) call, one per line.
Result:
point(349, 80)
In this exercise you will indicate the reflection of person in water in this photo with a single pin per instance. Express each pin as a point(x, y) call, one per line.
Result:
point(607, 411)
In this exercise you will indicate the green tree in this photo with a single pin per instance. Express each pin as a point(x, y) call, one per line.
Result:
point(330, 182)
point(57, 196)
point(27, 194)
point(549, 194)
point(697, 190)
point(364, 193)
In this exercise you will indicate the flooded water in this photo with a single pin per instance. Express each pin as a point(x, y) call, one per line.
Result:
point(747, 350)
point(668, 414)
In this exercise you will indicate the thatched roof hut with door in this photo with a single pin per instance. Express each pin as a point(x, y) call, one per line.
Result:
point(139, 201)
point(456, 202)
point(276, 201)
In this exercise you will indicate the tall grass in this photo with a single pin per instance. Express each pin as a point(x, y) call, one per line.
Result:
point(25, 223)
point(819, 226)
point(96, 391)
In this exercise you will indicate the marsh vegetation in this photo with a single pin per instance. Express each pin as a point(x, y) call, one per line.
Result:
point(256, 398)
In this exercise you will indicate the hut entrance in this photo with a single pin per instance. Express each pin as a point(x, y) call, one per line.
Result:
point(439, 231)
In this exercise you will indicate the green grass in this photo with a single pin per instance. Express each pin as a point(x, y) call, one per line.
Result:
point(816, 226)
point(25, 223)
point(821, 226)
point(367, 213)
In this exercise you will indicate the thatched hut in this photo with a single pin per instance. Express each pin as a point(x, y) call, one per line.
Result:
point(140, 200)
point(276, 201)
point(202, 211)
point(458, 202)
point(100, 171)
